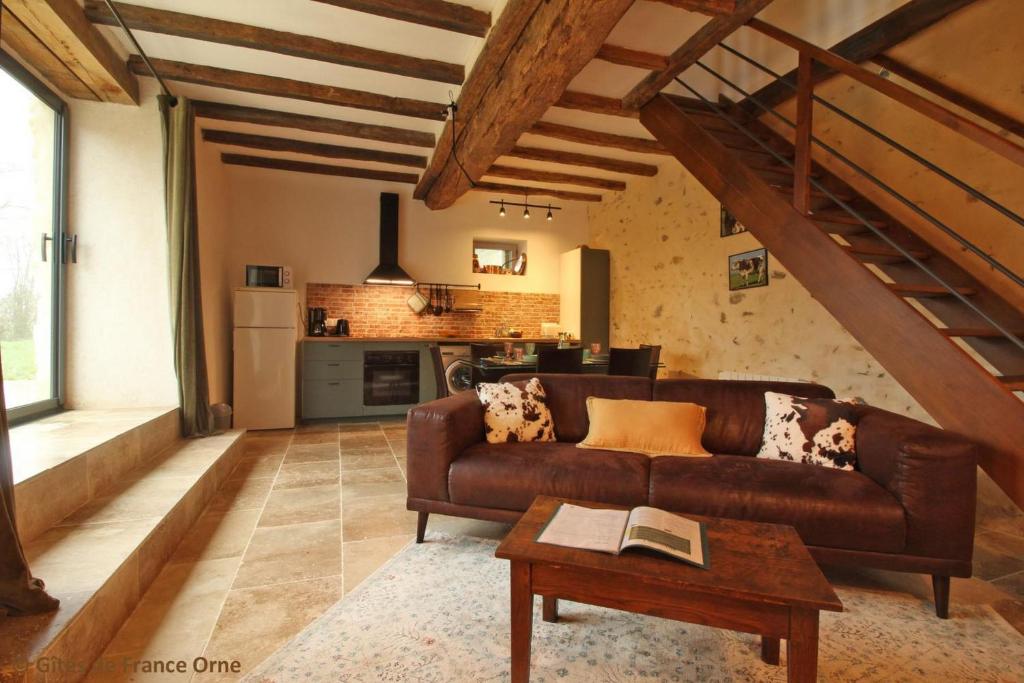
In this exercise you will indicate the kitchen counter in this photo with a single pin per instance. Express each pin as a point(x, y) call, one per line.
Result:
point(443, 340)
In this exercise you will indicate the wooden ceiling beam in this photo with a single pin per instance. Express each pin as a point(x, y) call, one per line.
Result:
point(555, 156)
point(25, 44)
point(712, 7)
point(624, 56)
point(276, 144)
point(286, 87)
point(595, 104)
point(525, 190)
point(317, 124)
point(533, 52)
point(708, 36)
point(449, 16)
point(537, 176)
point(62, 27)
point(318, 169)
point(873, 39)
point(281, 42)
point(593, 137)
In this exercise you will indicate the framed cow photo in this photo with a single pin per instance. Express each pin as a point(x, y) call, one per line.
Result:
point(749, 269)
point(729, 224)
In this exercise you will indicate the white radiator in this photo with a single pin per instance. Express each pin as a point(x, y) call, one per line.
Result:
point(749, 376)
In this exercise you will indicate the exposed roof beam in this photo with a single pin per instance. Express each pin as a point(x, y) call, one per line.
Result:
point(709, 35)
point(713, 7)
point(269, 40)
point(317, 124)
point(520, 73)
point(595, 104)
point(436, 13)
point(319, 169)
point(276, 144)
point(623, 56)
point(525, 190)
point(24, 44)
point(594, 137)
point(555, 156)
point(532, 174)
point(61, 26)
point(286, 87)
point(861, 46)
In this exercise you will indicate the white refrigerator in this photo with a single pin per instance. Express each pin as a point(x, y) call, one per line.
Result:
point(264, 344)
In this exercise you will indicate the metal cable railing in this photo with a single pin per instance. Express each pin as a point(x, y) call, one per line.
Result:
point(931, 166)
point(903, 199)
point(905, 253)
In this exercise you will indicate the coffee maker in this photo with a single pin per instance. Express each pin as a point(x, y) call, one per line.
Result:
point(317, 322)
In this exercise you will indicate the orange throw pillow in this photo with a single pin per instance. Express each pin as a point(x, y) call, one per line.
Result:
point(650, 427)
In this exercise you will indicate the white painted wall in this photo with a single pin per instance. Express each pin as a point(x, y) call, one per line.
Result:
point(327, 228)
point(119, 338)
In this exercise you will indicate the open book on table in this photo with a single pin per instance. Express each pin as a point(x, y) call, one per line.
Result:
point(612, 531)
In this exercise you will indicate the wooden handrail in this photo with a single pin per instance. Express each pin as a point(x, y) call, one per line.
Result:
point(932, 110)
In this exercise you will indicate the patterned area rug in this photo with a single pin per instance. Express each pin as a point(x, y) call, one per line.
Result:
point(439, 612)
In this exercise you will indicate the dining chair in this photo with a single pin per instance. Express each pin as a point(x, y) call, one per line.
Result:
point(442, 385)
point(631, 362)
point(560, 360)
point(655, 358)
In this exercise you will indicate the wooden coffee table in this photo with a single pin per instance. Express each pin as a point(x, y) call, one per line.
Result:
point(761, 580)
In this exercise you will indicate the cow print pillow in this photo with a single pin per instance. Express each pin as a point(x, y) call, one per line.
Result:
point(813, 431)
point(512, 414)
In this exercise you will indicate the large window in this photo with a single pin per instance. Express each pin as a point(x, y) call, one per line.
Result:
point(33, 244)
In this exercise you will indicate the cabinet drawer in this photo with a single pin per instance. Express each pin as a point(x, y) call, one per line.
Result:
point(331, 351)
point(332, 369)
point(332, 398)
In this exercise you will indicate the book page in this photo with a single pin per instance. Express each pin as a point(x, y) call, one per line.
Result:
point(574, 526)
point(665, 532)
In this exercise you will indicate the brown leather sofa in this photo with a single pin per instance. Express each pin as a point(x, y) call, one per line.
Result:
point(908, 507)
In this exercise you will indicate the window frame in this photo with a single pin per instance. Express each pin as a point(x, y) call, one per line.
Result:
point(58, 271)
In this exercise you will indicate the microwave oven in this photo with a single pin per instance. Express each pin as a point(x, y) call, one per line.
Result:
point(268, 276)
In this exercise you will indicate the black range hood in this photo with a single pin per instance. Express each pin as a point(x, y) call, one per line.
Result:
point(388, 272)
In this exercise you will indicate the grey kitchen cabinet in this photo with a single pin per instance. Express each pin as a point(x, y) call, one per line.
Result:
point(332, 378)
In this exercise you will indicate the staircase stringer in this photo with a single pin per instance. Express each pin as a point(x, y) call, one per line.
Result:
point(951, 386)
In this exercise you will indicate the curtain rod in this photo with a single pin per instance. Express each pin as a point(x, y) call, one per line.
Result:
point(142, 53)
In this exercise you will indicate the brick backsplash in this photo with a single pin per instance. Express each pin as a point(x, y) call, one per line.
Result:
point(376, 311)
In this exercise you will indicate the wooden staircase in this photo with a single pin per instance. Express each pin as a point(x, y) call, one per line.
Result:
point(960, 368)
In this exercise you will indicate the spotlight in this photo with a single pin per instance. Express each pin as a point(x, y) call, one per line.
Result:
point(550, 216)
point(526, 213)
point(501, 211)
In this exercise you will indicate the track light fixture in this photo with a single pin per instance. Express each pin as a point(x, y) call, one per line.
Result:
point(526, 208)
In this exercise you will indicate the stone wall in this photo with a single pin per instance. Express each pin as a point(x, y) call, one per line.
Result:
point(375, 311)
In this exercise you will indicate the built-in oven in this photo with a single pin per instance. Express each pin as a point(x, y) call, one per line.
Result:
point(391, 378)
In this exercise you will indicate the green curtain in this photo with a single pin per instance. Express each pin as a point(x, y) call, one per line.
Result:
point(19, 592)
point(183, 255)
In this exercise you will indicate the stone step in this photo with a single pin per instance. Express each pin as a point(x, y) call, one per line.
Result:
point(100, 559)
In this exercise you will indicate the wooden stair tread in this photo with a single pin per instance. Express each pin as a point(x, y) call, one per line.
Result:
point(983, 332)
point(1013, 382)
point(844, 218)
point(883, 254)
point(920, 291)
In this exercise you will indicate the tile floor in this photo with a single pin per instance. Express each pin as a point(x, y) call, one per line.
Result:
point(310, 513)
point(305, 517)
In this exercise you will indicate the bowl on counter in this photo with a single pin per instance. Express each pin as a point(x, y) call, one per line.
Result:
point(515, 334)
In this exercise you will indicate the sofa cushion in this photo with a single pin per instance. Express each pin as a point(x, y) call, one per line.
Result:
point(828, 507)
point(811, 431)
point(510, 476)
point(735, 417)
point(513, 414)
point(668, 427)
point(567, 397)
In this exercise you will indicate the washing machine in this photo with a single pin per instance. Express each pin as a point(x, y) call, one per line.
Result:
point(458, 373)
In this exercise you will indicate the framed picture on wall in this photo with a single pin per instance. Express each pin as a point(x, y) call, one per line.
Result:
point(748, 269)
point(731, 226)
